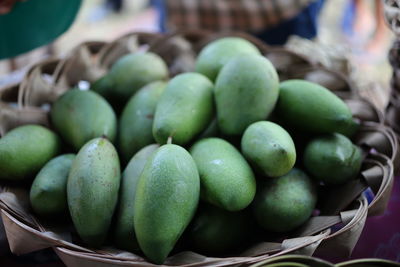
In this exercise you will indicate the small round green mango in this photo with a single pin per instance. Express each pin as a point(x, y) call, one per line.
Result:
point(79, 116)
point(124, 234)
point(226, 178)
point(269, 148)
point(284, 203)
point(214, 230)
point(130, 73)
point(332, 159)
point(48, 193)
point(25, 150)
point(217, 53)
point(184, 109)
point(102, 85)
point(136, 123)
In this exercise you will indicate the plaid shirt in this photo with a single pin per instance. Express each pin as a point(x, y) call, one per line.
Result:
point(246, 15)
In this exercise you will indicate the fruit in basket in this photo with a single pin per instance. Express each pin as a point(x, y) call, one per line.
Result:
point(226, 178)
point(79, 116)
point(246, 91)
point(332, 159)
point(269, 148)
point(153, 204)
point(48, 193)
point(135, 127)
point(284, 203)
point(25, 150)
point(124, 233)
point(310, 107)
point(214, 230)
point(185, 109)
point(166, 199)
point(102, 86)
point(211, 130)
point(92, 190)
point(217, 53)
point(130, 73)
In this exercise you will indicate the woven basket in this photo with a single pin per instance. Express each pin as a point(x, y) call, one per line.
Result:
point(343, 209)
point(393, 108)
point(392, 16)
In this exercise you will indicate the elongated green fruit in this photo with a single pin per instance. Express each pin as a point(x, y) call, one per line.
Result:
point(269, 148)
point(246, 91)
point(125, 237)
point(25, 150)
point(166, 199)
point(227, 180)
point(135, 127)
point(92, 190)
point(310, 107)
point(80, 116)
point(48, 193)
point(184, 110)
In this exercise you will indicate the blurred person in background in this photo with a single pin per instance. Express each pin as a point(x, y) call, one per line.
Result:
point(364, 26)
point(271, 20)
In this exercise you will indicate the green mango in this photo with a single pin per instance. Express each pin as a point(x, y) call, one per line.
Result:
point(102, 85)
point(135, 127)
point(226, 178)
point(80, 116)
point(217, 53)
point(48, 193)
point(215, 231)
point(284, 203)
point(130, 73)
point(166, 199)
point(92, 190)
point(25, 150)
point(211, 130)
point(287, 264)
point(184, 110)
point(312, 108)
point(124, 234)
point(332, 159)
point(269, 148)
point(246, 91)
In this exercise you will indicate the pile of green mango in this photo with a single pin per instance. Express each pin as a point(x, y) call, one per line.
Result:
point(148, 163)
